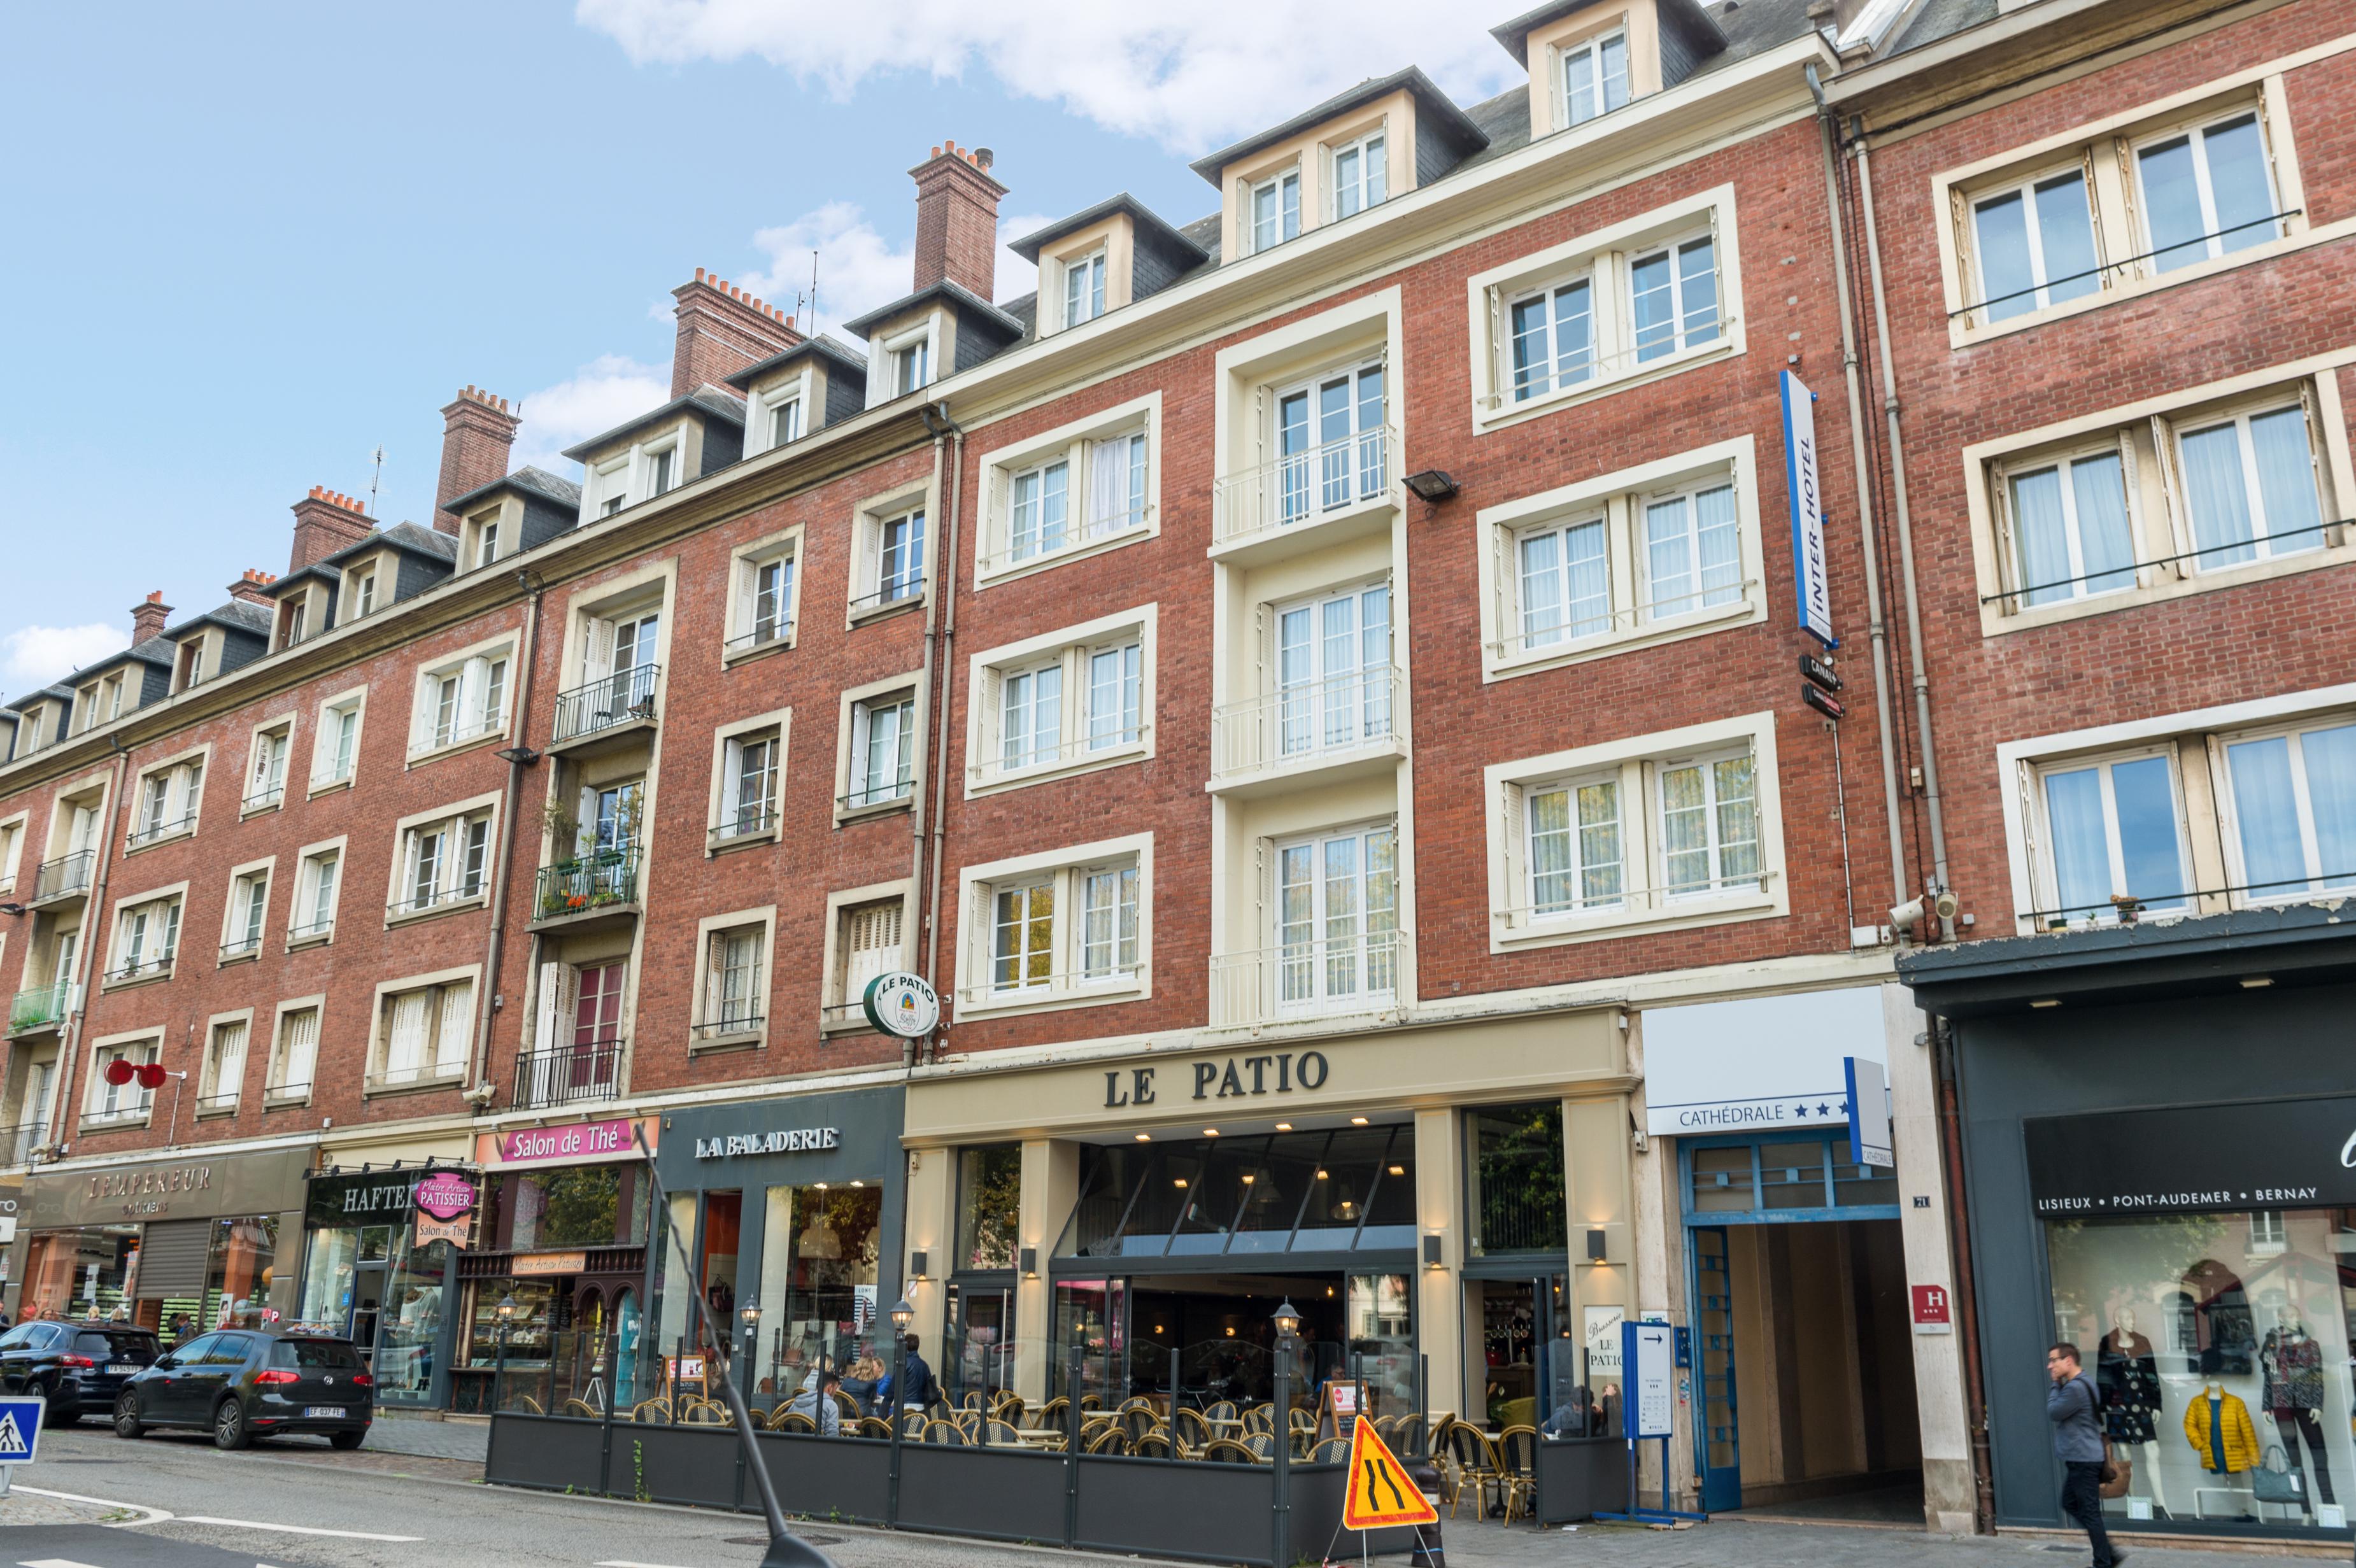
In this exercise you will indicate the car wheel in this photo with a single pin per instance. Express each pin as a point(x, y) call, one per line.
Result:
point(230, 1430)
point(347, 1441)
point(126, 1416)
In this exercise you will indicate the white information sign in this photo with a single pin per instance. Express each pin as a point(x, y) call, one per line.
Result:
point(1603, 1326)
point(1869, 1114)
point(1650, 1353)
point(1811, 572)
point(1767, 1064)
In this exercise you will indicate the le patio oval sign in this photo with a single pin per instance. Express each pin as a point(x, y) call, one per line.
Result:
point(902, 1004)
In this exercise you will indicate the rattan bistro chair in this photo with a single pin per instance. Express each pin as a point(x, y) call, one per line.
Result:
point(1226, 1451)
point(1477, 1467)
point(1049, 1417)
point(795, 1421)
point(947, 1432)
point(1190, 1429)
point(1112, 1440)
point(1332, 1450)
point(1517, 1457)
point(1154, 1445)
point(874, 1427)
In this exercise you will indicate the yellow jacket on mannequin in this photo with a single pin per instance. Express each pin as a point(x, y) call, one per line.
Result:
point(2235, 1440)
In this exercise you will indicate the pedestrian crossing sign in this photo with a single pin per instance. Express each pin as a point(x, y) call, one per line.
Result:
point(1381, 1491)
point(20, 1429)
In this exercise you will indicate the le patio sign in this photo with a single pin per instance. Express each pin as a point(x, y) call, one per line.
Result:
point(902, 1004)
point(1223, 1077)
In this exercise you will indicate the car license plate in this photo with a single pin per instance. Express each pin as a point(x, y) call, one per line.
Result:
point(319, 1412)
point(121, 1369)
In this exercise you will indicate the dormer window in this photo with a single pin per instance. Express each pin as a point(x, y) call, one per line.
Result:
point(613, 482)
point(486, 543)
point(1594, 78)
point(1276, 210)
point(296, 626)
point(785, 422)
point(192, 664)
point(912, 366)
point(361, 592)
point(1084, 289)
point(662, 469)
point(1361, 175)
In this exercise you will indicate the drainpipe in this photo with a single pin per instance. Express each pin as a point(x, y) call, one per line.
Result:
point(93, 910)
point(940, 646)
point(1877, 624)
point(1921, 676)
point(483, 1090)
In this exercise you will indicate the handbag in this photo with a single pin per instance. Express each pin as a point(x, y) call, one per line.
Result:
point(2274, 1481)
point(2117, 1475)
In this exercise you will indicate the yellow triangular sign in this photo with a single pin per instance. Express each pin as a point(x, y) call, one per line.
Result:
point(1381, 1491)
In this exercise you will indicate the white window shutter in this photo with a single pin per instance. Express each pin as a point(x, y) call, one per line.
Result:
point(857, 774)
point(597, 662)
point(739, 622)
point(411, 843)
point(732, 766)
point(1502, 547)
point(1511, 874)
point(474, 679)
point(584, 838)
point(549, 1011)
point(454, 1043)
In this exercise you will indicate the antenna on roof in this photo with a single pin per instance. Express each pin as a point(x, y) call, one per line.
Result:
point(813, 293)
point(375, 479)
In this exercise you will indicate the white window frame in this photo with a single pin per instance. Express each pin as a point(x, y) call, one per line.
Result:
point(278, 1086)
point(13, 831)
point(212, 1099)
point(481, 535)
point(851, 796)
point(1645, 903)
point(871, 522)
point(2048, 876)
point(1619, 499)
point(795, 391)
point(304, 901)
point(158, 936)
point(723, 830)
point(883, 373)
point(608, 490)
point(468, 678)
point(326, 740)
point(2158, 518)
point(741, 639)
point(2324, 881)
point(838, 1010)
point(1096, 263)
point(454, 824)
point(363, 591)
point(1273, 181)
point(1373, 187)
point(1274, 961)
point(706, 1022)
point(1591, 48)
point(2195, 133)
point(183, 776)
point(264, 789)
point(1078, 444)
point(1070, 649)
point(439, 1065)
point(108, 1104)
point(2062, 462)
point(1607, 258)
point(238, 910)
point(1068, 984)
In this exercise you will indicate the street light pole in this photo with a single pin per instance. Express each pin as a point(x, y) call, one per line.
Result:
point(750, 1313)
point(1288, 1328)
point(505, 1312)
point(786, 1550)
point(902, 1315)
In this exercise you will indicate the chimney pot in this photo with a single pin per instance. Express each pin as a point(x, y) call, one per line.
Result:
point(477, 431)
point(983, 157)
point(149, 617)
point(956, 222)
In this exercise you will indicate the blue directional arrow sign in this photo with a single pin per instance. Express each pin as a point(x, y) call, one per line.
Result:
point(20, 1429)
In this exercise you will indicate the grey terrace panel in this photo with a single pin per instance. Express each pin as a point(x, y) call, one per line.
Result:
point(706, 398)
point(956, 295)
point(1149, 226)
point(527, 480)
point(1448, 120)
point(430, 543)
point(821, 346)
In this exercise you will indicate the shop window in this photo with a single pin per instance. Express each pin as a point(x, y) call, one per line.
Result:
point(580, 1206)
point(821, 1255)
point(990, 1206)
point(1518, 1199)
point(79, 1272)
point(2218, 1345)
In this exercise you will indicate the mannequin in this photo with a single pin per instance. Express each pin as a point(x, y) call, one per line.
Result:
point(2217, 1424)
point(2294, 1393)
point(2127, 1374)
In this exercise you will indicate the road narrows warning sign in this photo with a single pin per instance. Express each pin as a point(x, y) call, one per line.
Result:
point(1381, 1491)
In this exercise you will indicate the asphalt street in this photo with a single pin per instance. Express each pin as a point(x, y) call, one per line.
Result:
point(177, 1502)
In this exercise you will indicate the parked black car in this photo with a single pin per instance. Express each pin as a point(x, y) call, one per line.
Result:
point(244, 1383)
point(77, 1368)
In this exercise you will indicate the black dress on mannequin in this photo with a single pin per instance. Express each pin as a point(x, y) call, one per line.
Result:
point(2127, 1374)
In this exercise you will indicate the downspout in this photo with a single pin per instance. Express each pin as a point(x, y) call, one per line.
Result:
point(1921, 675)
point(940, 645)
point(487, 1010)
point(1878, 628)
point(93, 910)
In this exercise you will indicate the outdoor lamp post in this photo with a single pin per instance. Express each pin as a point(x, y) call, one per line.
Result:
point(902, 1315)
point(504, 1313)
point(1287, 1318)
point(751, 1315)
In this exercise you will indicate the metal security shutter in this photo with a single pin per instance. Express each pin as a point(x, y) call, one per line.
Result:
point(172, 1257)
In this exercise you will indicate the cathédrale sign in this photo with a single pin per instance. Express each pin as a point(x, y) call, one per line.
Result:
point(1221, 1078)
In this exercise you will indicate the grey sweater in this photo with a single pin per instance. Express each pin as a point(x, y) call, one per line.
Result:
point(2077, 1432)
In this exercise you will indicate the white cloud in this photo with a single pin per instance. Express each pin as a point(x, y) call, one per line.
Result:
point(40, 655)
point(605, 392)
point(1188, 73)
point(1017, 277)
point(858, 268)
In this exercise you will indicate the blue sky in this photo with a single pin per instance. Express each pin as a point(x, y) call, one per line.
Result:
point(250, 242)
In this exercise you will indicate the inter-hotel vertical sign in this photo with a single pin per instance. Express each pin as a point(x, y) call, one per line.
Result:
point(1810, 571)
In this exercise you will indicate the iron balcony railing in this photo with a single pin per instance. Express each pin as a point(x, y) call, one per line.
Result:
point(263, 798)
point(1301, 486)
point(764, 633)
point(65, 876)
point(749, 822)
point(142, 969)
point(1333, 977)
point(619, 699)
point(43, 1007)
point(286, 1094)
point(1347, 712)
point(306, 933)
point(726, 1026)
point(584, 886)
point(572, 1074)
point(459, 892)
point(153, 831)
point(17, 1143)
point(417, 1074)
point(221, 1100)
point(892, 590)
point(238, 947)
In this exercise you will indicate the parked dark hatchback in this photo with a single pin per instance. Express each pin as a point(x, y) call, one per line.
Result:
point(79, 1367)
point(244, 1383)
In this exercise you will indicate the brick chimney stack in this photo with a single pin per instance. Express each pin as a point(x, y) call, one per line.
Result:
point(324, 522)
point(149, 617)
point(722, 329)
point(957, 219)
point(476, 433)
point(252, 588)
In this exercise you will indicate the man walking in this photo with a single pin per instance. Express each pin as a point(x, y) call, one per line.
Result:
point(2076, 1415)
point(917, 1390)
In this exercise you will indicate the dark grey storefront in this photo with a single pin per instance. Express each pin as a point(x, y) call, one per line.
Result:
point(795, 1205)
point(2157, 1127)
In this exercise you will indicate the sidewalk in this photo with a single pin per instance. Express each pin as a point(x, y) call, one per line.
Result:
point(1742, 1543)
point(429, 1439)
